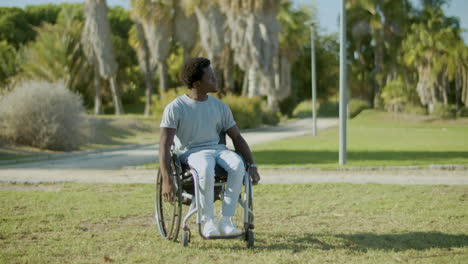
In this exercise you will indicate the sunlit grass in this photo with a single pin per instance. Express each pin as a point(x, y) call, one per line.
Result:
point(374, 139)
point(334, 223)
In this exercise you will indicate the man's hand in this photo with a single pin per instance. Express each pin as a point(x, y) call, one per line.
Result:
point(169, 192)
point(253, 172)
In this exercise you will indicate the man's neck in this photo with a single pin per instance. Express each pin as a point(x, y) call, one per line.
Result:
point(197, 95)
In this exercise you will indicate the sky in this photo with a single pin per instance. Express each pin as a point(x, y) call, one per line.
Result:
point(328, 10)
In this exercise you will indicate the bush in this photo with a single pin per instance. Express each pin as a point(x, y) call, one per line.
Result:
point(355, 106)
point(303, 109)
point(248, 112)
point(462, 112)
point(444, 111)
point(270, 117)
point(415, 109)
point(43, 115)
point(288, 105)
point(395, 95)
point(329, 109)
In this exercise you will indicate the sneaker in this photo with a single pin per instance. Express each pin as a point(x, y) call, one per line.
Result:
point(227, 228)
point(210, 228)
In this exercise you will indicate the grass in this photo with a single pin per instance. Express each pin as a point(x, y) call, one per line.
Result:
point(110, 131)
point(374, 139)
point(332, 223)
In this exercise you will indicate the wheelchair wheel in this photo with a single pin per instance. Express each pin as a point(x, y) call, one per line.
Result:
point(249, 239)
point(168, 215)
point(185, 238)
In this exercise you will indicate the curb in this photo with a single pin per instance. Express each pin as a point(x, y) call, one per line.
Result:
point(447, 167)
point(57, 156)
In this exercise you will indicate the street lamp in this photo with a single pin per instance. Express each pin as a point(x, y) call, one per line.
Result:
point(343, 85)
point(313, 78)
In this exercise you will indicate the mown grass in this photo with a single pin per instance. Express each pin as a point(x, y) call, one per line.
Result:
point(374, 139)
point(311, 223)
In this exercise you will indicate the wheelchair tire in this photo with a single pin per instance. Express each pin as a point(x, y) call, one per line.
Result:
point(168, 215)
point(249, 239)
point(185, 238)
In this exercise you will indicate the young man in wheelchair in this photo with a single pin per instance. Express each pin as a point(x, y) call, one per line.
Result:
point(193, 123)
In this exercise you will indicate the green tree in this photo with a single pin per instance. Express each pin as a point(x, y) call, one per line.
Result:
point(56, 54)
point(10, 63)
point(14, 27)
point(99, 41)
point(431, 48)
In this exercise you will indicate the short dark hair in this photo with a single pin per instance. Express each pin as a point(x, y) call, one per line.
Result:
point(193, 70)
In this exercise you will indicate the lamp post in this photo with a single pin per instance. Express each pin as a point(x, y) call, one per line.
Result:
point(314, 80)
point(343, 85)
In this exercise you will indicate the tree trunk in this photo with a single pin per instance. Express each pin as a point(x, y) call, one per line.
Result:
point(148, 93)
point(97, 91)
point(163, 78)
point(116, 96)
point(228, 72)
point(254, 88)
point(245, 84)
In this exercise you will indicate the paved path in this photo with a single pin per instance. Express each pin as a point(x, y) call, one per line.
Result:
point(142, 154)
point(118, 166)
point(269, 176)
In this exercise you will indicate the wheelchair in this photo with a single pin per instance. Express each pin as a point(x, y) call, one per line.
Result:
point(169, 215)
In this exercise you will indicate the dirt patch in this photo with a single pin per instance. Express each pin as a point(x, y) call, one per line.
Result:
point(31, 187)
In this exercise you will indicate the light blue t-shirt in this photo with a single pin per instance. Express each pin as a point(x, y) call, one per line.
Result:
point(197, 123)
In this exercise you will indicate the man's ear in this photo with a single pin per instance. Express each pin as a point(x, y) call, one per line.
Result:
point(195, 84)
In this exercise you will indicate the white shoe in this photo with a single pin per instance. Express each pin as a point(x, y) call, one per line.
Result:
point(210, 228)
point(227, 228)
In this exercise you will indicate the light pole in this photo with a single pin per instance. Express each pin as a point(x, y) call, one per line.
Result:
point(313, 78)
point(343, 85)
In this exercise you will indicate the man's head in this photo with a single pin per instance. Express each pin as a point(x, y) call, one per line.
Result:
point(198, 74)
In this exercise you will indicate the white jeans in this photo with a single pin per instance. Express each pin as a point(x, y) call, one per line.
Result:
point(203, 162)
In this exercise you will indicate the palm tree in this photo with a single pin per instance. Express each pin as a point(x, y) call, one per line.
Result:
point(98, 37)
point(138, 41)
point(57, 54)
point(156, 19)
point(435, 49)
point(185, 27)
point(211, 27)
point(254, 28)
point(294, 36)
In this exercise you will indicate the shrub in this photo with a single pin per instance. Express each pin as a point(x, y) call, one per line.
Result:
point(303, 109)
point(248, 112)
point(270, 117)
point(43, 115)
point(355, 106)
point(395, 95)
point(329, 109)
point(444, 111)
point(415, 109)
point(288, 105)
point(462, 112)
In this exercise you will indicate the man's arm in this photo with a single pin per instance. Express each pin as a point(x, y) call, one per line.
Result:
point(242, 147)
point(165, 143)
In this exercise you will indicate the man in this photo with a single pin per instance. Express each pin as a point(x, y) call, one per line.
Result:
point(193, 122)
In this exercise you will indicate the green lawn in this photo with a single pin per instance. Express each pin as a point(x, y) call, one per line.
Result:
point(375, 139)
point(319, 223)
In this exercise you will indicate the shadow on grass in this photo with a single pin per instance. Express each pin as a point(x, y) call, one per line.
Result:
point(285, 157)
point(367, 241)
